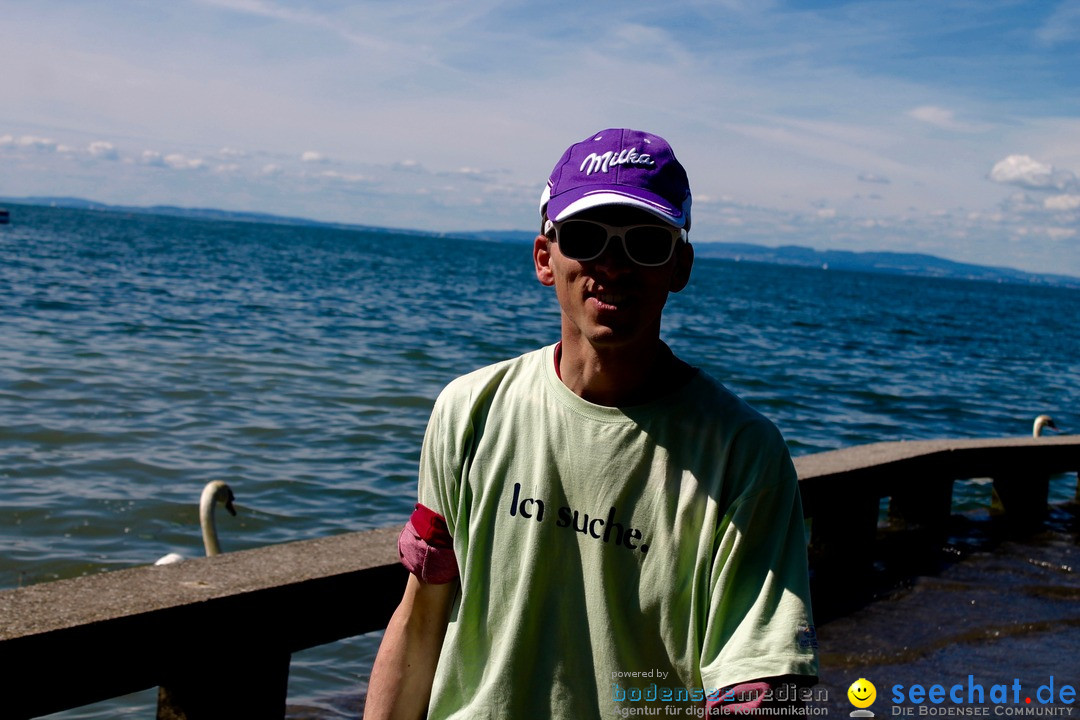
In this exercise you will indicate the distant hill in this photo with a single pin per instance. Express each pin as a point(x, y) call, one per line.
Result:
point(893, 263)
point(197, 213)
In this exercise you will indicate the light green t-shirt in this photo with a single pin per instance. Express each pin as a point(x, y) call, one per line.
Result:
point(611, 557)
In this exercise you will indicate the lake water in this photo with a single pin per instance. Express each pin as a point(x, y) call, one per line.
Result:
point(141, 356)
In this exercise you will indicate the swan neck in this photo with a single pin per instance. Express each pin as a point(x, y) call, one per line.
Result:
point(208, 524)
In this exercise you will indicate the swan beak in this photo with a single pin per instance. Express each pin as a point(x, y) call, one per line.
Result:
point(229, 504)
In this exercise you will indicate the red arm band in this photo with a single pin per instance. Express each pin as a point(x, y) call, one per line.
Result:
point(426, 548)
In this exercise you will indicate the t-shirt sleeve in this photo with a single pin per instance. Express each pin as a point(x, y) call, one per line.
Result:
point(441, 463)
point(759, 619)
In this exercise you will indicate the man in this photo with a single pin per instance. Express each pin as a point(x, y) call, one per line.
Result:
point(600, 526)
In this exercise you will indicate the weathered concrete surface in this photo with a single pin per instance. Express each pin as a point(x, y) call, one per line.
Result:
point(73, 642)
point(112, 595)
point(876, 455)
point(896, 467)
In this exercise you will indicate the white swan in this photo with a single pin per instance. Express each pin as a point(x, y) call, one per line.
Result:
point(1043, 421)
point(215, 492)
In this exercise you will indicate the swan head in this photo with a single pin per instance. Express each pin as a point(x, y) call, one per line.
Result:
point(1043, 422)
point(217, 491)
point(228, 500)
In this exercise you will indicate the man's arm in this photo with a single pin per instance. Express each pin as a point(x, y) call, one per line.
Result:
point(401, 679)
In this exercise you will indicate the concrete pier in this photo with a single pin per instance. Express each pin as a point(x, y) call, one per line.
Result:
point(214, 633)
point(239, 616)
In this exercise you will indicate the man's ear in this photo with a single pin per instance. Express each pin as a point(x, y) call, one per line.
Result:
point(684, 261)
point(542, 260)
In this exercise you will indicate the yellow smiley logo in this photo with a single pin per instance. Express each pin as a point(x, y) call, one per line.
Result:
point(862, 693)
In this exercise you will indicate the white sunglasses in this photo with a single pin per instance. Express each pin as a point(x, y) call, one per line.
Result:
point(585, 240)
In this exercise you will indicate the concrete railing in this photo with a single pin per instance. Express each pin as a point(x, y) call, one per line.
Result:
point(843, 490)
point(216, 634)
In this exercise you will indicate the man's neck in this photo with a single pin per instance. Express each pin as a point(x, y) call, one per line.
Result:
point(620, 376)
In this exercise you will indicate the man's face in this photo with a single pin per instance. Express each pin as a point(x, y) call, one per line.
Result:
point(611, 301)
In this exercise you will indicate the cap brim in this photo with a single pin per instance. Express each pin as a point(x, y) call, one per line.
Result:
point(571, 203)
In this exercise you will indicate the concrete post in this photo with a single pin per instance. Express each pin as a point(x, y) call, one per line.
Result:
point(924, 510)
point(249, 683)
point(1021, 500)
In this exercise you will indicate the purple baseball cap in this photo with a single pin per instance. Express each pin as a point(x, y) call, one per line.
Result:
point(619, 167)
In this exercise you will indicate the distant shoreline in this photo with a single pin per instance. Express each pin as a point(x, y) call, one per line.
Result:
point(890, 263)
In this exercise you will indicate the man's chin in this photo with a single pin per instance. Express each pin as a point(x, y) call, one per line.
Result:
point(613, 337)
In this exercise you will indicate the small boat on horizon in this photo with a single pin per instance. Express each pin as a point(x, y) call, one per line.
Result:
point(5, 216)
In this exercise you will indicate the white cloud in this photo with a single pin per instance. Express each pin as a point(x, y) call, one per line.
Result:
point(37, 143)
point(1026, 172)
point(6, 140)
point(933, 115)
point(283, 13)
point(344, 177)
point(1063, 25)
point(151, 157)
point(103, 150)
point(270, 169)
point(1019, 204)
point(1062, 202)
point(313, 157)
point(871, 178)
point(940, 117)
point(182, 162)
point(267, 10)
point(637, 36)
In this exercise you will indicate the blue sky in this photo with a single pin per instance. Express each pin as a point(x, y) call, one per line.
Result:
point(951, 128)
